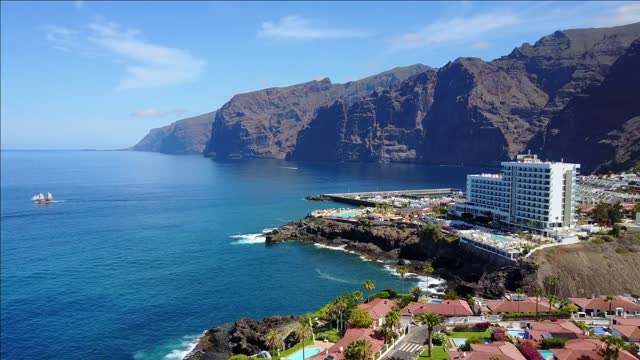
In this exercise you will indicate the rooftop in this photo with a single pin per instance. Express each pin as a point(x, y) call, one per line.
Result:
point(446, 308)
point(499, 349)
point(378, 308)
point(601, 303)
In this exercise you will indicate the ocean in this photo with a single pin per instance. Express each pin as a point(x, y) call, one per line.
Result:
point(142, 252)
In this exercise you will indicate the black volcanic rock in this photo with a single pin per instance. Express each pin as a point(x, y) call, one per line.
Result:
point(186, 136)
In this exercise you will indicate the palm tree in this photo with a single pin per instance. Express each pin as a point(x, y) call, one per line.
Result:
point(402, 271)
point(357, 296)
point(341, 306)
point(427, 269)
point(552, 299)
point(520, 292)
point(416, 292)
point(358, 350)
point(334, 312)
point(610, 301)
point(393, 318)
point(552, 281)
point(612, 349)
point(274, 340)
point(431, 321)
point(537, 292)
point(368, 287)
point(304, 330)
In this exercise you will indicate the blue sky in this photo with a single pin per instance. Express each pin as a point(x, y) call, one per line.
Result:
point(83, 74)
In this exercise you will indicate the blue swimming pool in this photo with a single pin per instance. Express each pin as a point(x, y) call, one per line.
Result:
point(546, 354)
point(348, 214)
point(435, 301)
point(599, 330)
point(308, 352)
point(459, 342)
point(520, 334)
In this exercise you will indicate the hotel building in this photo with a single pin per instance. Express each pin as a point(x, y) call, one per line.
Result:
point(528, 193)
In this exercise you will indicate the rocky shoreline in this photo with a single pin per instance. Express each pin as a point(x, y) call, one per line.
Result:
point(463, 270)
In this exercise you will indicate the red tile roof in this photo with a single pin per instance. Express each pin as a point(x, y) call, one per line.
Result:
point(512, 306)
point(556, 328)
point(337, 350)
point(499, 349)
point(586, 349)
point(601, 303)
point(631, 332)
point(446, 308)
point(378, 308)
point(627, 321)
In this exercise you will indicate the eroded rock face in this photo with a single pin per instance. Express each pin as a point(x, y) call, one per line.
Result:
point(186, 136)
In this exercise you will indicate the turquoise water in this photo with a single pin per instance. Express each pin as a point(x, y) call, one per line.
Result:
point(499, 238)
point(459, 342)
point(517, 333)
point(545, 353)
point(435, 301)
point(348, 214)
point(308, 352)
point(145, 251)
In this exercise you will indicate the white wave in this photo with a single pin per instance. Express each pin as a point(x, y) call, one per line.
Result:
point(251, 238)
point(342, 248)
point(290, 167)
point(326, 276)
point(423, 280)
point(186, 346)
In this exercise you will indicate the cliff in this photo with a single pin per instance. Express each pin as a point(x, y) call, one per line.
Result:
point(186, 136)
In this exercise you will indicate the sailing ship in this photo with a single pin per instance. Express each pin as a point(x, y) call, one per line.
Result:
point(41, 199)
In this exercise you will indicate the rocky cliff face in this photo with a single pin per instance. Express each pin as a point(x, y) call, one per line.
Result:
point(605, 119)
point(266, 123)
point(186, 136)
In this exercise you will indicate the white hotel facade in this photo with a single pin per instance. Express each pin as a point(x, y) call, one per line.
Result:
point(528, 193)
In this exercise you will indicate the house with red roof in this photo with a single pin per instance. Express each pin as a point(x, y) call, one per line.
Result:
point(539, 330)
point(378, 309)
point(448, 308)
point(336, 352)
point(630, 333)
point(499, 349)
point(627, 321)
point(601, 306)
point(580, 349)
point(526, 305)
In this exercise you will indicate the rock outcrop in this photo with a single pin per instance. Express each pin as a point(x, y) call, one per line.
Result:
point(186, 136)
point(464, 270)
point(245, 336)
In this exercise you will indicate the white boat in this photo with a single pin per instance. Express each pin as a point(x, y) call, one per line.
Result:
point(41, 199)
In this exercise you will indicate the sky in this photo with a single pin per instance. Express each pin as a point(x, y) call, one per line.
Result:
point(84, 74)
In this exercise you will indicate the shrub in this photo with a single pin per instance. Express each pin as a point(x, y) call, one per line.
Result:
point(597, 240)
point(608, 238)
point(392, 293)
point(239, 357)
point(440, 339)
point(553, 343)
point(471, 340)
point(581, 325)
point(481, 326)
point(461, 328)
point(529, 351)
point(499, 334)
point(382, 294)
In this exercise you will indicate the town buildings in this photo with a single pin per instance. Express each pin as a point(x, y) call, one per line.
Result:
point(531, 194)
point(378, 308)
point(602, 306)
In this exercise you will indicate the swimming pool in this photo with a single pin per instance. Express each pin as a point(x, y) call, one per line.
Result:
point(348, 214)
point(459, 342)
point(499, 238)
point(435, 301)
point(516, 333)
point(599, 330)
point(308, 352)
point(546, 354)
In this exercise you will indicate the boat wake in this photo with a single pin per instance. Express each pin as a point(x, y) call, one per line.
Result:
point(323, 275)
point(245, 239)
point(290, 167)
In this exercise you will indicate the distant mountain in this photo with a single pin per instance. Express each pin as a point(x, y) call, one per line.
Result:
point(540, 97)
point(186, 136)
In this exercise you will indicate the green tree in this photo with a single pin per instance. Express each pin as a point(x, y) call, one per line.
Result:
point(393, 318)
point(416, 292)
point(338, 307)
point(551, 282)
point(451, 295)
point(360, 319)
point(537, 292)
point(520, 292)
point(607, 214)
point(274, 341)
point(358, 350)
point(570, 308)
point(610, 301)
point(431, 321)
point(402, 271)
point(613, 345)
point(427, 269)
point(471, 300)
point(357, 297)
point(369, 286)
point(304, 330)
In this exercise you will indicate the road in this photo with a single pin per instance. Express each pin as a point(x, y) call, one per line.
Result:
point(411, 345)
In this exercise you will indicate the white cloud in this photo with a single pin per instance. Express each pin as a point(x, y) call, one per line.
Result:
point(455, 29)
point(148, 65)
point(622, 15)
point(297, 27)
point(155, 113)
point(480, 45)
point(61, 38)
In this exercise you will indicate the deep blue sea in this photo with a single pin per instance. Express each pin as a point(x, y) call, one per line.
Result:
point(145, 251)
